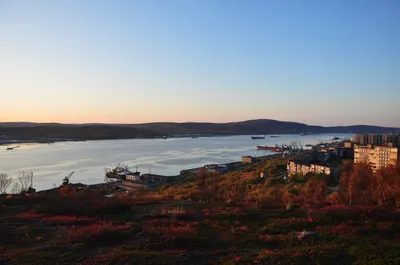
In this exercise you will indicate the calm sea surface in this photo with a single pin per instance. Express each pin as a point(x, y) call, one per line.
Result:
point(51, 162)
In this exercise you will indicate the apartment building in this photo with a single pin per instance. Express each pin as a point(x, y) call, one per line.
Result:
point(378, 156)
point(377, 139)
point(294, 168)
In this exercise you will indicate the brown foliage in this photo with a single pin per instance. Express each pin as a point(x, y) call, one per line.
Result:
point(355, 186)
point(360, 186)
point(102, 230)
point(67, 191)
point(385, 186)
point(313, 192)
point(118, 204)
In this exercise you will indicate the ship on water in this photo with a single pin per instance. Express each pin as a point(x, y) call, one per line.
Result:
point(119, 172)
point(274, 136)
point(276, 148)
point(11, 148)
point(258, 137)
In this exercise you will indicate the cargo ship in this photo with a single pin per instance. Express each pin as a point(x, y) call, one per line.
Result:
point(275, 149)
point(119, 172)
point(11, 148)
point(258, 137)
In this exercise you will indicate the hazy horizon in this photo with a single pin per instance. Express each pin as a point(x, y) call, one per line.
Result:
point(128, 62)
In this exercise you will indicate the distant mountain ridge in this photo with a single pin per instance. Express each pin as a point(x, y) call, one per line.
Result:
point(96, 131)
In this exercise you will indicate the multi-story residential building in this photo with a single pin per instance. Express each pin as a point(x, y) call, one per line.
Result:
point(378, 156)
point(377, 139)
point(361, 139)
point(371, 138)
point(294, 168)
point(391, 139)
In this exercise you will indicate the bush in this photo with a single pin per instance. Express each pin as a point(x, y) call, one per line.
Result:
point(67, 191)
point(115, 205)
point(102, 231)
point(67, 220)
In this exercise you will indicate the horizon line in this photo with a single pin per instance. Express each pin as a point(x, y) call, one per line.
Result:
point(183, 122)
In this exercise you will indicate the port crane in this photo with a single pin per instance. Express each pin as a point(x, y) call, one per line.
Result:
point(66, 179)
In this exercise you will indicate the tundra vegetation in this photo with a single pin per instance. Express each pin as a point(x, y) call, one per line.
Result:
point(231, 218)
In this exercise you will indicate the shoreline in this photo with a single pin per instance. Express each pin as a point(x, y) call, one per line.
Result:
point(45, 141)
point(184, 173)
point(56, 140)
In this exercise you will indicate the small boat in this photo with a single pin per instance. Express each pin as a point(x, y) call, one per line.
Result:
point(335, 138)
point(308, 145)
point(10, 148)
point(164, 137)
point(257, 137)
point(274, 136)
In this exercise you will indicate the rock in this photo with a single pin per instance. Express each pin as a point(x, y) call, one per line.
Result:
point(305, 234)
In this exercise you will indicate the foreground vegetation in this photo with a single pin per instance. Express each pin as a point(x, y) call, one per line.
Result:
point(235, 218)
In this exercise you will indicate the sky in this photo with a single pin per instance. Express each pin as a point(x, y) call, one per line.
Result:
point(317, 62)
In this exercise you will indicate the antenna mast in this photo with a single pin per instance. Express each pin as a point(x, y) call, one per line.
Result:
point(31, 179)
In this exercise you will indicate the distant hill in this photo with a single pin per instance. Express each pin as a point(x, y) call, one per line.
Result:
point(27, 130)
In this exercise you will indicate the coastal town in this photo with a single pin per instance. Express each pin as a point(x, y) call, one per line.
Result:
point(290, 204)
point(324, 159)
point(199, 132)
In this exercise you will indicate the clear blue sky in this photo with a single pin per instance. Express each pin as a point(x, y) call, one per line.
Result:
point(318, 62)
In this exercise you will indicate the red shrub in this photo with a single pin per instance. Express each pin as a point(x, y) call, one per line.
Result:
point(342, 229)
point(169, 227)
point(270, 252)
point(28, 215)
point(275, 238)
point(66, 219)
point(101, 230)
point(222, 211)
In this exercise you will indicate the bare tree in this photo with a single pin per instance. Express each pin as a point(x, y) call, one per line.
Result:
point(25, 180)
point(296, 145)
point(300, 145)
point(16, 188)
point(293, 145)
point(5, 181)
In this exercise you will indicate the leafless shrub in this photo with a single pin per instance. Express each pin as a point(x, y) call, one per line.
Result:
point(16, 188)
point(5, 182)
point(25, 180)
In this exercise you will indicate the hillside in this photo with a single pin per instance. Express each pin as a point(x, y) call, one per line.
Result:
point(23, 130)
point(233, 218)
point(79, 132)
